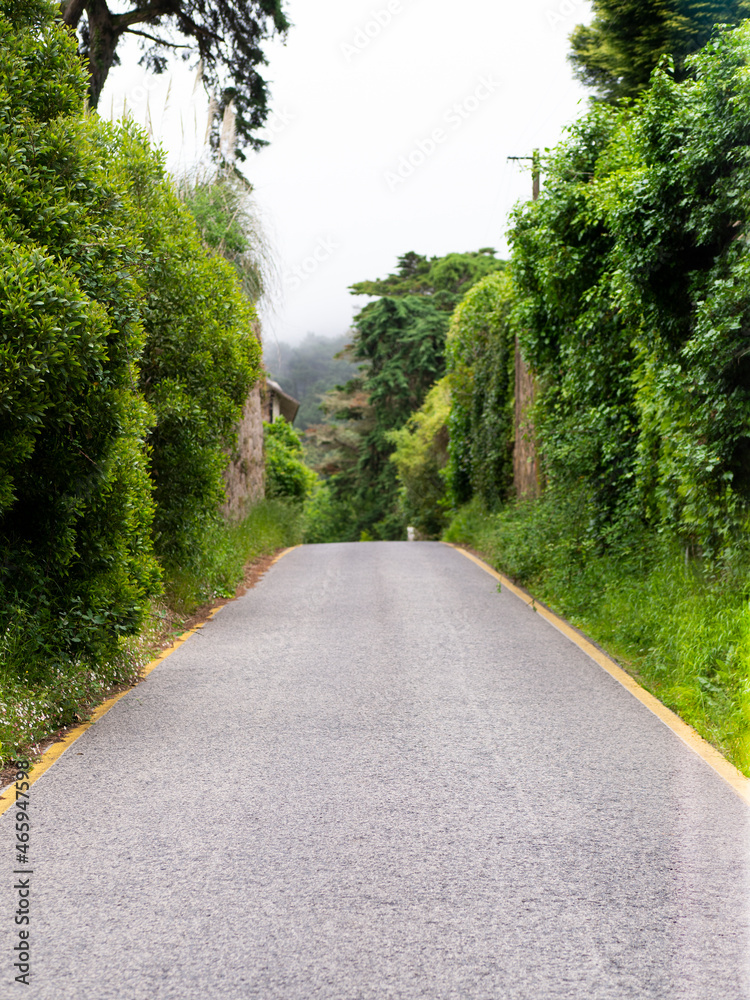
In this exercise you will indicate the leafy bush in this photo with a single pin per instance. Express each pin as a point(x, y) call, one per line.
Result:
point(121, 340)
point(420, 457)
point(681, 223)
point(200, 359)
point(329, 517)
point(631, 305)
point(287, 476)
point(75, 505)
point(481, 374)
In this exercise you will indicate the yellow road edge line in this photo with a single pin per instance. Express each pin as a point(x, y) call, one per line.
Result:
point(53, 754)
point(692, 739)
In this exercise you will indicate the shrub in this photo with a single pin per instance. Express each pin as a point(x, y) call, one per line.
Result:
point(122, 340)
point(481, 373)
point(75, 506)
point(287, 476)
point(421, 455)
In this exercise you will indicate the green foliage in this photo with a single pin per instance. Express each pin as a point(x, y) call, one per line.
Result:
point(227, 547)
point(571, 329)
point(481, 374)
point(287, 476)
point(681, 222)
point(75, 506)
point(200, 359)
point(444, 279)
point(401, 343)
point(683, 634)
point(125, 348)
point(627, 39)
point(329, 516)
point(629, 293)
point(631, 273)
point(420, 457)
point(221, 203)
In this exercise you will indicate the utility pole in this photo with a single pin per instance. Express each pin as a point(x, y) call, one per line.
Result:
point(536, 171)
point(525, 460)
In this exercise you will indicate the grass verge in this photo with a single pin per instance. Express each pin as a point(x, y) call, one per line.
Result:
point(683, 633)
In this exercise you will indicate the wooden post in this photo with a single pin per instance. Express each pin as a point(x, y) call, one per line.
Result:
point(525, 460)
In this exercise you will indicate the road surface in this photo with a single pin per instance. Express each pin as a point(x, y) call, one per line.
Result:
point(374, 777)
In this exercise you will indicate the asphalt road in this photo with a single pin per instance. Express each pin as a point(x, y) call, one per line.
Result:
point(375, 778)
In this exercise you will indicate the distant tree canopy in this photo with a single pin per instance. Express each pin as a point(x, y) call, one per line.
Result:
point(399, 347)
point(226, 38)
point(443, 279)
point(617, 53)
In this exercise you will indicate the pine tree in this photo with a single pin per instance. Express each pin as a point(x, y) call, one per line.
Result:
point(617, 53)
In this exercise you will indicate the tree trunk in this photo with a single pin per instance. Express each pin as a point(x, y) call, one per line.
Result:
point(103, 39)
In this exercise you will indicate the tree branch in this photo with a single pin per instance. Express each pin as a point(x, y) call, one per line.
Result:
point(141, 14)
point(71, 11)
point(153, 38)
point(159, 9)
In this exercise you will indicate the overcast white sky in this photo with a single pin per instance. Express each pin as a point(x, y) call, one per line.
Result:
point(391, 126)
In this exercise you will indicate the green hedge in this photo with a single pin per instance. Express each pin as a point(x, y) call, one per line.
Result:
point(126, 354)
point(481, 377)
point(632, 307)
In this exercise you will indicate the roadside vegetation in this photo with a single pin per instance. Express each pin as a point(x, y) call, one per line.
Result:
point(627, 297)
point(127, 352)
point(610, 354)
point(680, 628)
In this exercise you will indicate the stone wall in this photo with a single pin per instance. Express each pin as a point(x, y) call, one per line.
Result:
point(244, 476)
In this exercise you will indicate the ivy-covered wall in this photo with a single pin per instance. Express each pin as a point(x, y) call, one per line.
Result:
point(628, 291)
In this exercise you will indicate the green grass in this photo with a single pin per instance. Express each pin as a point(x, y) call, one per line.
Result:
point(682, 632)
point(35, 703)
point(270, 525)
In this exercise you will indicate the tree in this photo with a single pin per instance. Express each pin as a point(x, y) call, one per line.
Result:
point(226, 38)
point(126, 347)
point(443, 279)
point(617, 53)
point(399, 343)
point(76, 566)
point(420, 456)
